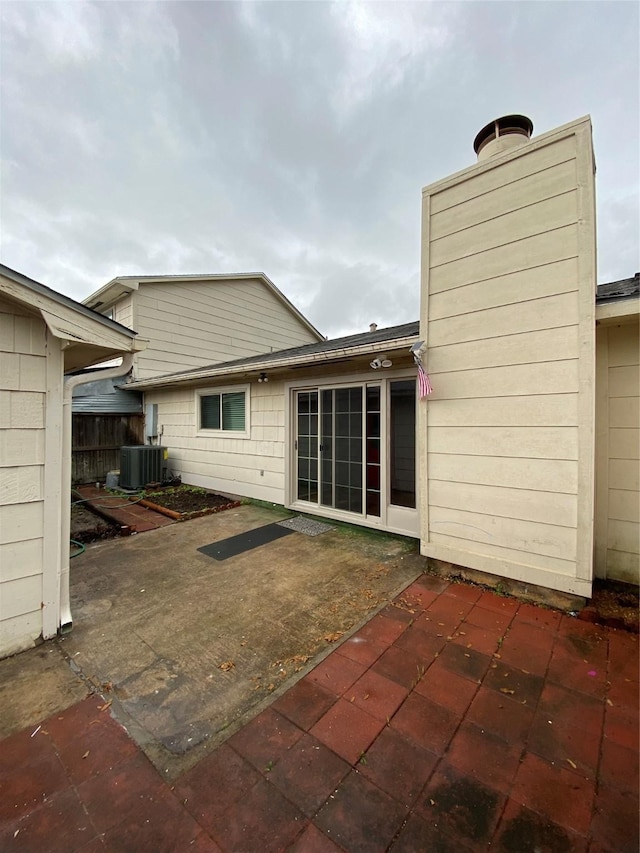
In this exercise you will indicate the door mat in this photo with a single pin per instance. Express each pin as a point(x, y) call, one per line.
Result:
point(235, 545)
point(305, 525)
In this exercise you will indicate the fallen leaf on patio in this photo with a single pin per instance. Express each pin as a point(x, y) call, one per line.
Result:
point(366, 696)
point(86, 753)
point(271, 687)
point(609, 702)
point(107, 686)
point(226, 665)
point(433, 802)
point(507, 690)
point(572, 763)
point(331, 638)
point(16, 832)
point(105, 706)
point(497, 655)
point(467, 655)
point(298, 659)
point(469, 645)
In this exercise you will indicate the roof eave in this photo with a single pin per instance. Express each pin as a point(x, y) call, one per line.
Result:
point(272, 365)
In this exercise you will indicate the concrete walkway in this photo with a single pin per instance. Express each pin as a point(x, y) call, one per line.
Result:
point(454, 720)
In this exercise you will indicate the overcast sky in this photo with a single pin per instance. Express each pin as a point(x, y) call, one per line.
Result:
point(291, 138)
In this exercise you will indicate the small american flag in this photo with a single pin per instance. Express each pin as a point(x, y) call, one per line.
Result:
point(424, 383)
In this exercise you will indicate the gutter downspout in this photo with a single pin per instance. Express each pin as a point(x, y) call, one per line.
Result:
point(70, 383)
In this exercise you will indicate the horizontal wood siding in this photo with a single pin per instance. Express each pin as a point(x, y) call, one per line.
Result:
point(23, 385)
point(507, 304)
point(198, 323)
point(250, 467)
point(618, 453)
point(123, 311)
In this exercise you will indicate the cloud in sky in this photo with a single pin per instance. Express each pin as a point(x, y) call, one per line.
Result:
point(292, 138)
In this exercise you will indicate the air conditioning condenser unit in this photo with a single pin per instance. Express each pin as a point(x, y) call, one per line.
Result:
point(140, 465)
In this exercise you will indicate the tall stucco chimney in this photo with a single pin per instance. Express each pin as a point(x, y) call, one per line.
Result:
point(502, 134)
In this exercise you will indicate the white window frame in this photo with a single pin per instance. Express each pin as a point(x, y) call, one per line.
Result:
point(203, 432)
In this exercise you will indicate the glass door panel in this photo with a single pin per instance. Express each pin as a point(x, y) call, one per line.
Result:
point(402, 443)
point(337, 450)
point(326, 459)
point(373, 450)
point(347, 403)
point(307, 446)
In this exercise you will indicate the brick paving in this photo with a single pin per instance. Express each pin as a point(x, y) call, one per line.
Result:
point(132, 515)
point(454, 720)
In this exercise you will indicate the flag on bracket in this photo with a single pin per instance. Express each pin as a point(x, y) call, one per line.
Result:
point(424, 383)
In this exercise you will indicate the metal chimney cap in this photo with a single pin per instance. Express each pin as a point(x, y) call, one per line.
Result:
point(501, 127)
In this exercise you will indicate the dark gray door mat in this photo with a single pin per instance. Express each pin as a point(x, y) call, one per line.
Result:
point(305, 525)
point(235, 545)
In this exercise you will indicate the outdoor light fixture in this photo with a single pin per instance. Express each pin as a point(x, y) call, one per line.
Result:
point(263, 377)
point(377, 363)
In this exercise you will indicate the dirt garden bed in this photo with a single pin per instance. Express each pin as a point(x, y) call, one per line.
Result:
point(87, 526)
point(184, 502)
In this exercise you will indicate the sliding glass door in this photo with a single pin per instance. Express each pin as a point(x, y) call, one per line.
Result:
point(344, 438)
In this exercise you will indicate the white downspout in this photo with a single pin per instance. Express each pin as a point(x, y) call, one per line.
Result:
point(70, 383)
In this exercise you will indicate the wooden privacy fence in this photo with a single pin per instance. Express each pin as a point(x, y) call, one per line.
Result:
point(96, 443)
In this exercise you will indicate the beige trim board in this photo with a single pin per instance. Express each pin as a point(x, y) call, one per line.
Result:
point(625, 310)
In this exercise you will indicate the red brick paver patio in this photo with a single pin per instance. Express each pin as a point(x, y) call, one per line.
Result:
point(455, 720)
point(136, 517)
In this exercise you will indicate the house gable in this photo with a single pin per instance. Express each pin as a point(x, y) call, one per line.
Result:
point(192, 321)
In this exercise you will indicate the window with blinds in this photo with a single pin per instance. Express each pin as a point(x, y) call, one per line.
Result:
point(223, 411)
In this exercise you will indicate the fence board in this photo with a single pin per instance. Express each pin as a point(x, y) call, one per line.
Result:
point(97, 440)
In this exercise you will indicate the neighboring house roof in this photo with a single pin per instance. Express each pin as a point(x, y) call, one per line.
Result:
point(325, 351)
point(90, 335)
point(618, 301)
point(104, 396)
point(122, 285)
point(624, 288)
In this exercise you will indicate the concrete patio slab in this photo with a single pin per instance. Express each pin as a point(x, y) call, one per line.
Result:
point(186, 647)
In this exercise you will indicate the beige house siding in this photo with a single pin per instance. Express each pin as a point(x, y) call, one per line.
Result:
point(508, 287)
point(190, 324)
point(123, 312)
point(252, 467)
point(618, 452)
point(23, 385)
